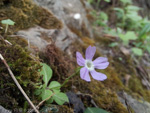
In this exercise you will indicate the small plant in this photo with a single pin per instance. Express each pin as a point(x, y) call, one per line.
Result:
point(7, 23)
point(137, 51)
point(101, 18)
point(128, 16)
point(95, 110)
point(130, 35)
point(50, 92)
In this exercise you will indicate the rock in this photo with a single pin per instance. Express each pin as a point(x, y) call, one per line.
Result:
point(3, 110)
point(137, 106)
point(76, 101)
point(65, 11)
point(70, 16)
point(125, 51)
point(40, 37)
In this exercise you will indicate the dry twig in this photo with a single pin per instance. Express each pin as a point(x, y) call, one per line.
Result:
point(17, 83)
point(42, 102)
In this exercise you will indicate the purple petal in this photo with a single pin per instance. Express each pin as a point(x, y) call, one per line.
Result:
point(90, 51)
point(98, 76)
point(80, 59)
point(101, 63)
point(84, 74)
point(100, 60)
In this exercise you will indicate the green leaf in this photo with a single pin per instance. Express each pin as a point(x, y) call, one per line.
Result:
point(113, 44)
point(60, 98)
point(119, 10)
point(103, 16)
point(148, 49)
point(46, 72)
point(107, 0)
point(8, 22)
point(46, 93)
point(95, 110)
point(133, 15)
point(137, 51)
point(38, 91)
point(90, 1)
point(130, 35)
point(146, 29)
point(55, 86)
point(132, 7)
point(50, 100)
point(126, 1)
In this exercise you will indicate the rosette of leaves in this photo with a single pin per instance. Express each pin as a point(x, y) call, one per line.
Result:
point(50, 91)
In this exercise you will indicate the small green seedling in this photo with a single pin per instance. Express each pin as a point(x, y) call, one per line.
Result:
point(51, 89)
point(7, 23)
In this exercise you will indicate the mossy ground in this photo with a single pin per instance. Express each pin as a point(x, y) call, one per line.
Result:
point(103, 93)
point(25, 14)
point(25, 69)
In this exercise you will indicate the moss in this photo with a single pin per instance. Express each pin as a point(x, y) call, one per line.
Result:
point(104, 97)
point(59, 62)
point(51, 108)
point(103, 93)
point(121, 68)
point(25, 69)
point(137, 89)
point(83, 32)
point(65, 109)
point(88, 41)
point(26, 14)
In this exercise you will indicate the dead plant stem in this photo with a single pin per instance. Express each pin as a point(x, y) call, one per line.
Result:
point(17, 83)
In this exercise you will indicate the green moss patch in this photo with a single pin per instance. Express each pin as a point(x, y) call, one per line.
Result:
point(25, 69)
point(26, 14)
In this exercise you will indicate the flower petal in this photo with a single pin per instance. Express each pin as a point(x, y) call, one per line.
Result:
point(98, 76)
point(84, 74)
point(100, 60)
point(80, 59)
point(101, 63)
point(90, 51)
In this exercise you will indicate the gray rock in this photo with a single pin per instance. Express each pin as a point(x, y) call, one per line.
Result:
point(3, 110)
point(70, 12)
point(140, 106)
point(40, 37)
point(76, 101)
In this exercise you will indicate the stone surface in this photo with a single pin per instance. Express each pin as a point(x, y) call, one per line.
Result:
point(40, 37)
point(71, 18)
point(140, 106)
point(76, 102)
point(67, 11)
point(3, 110)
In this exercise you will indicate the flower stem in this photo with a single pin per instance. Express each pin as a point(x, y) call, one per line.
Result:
point(74, 74)
point(6, 28)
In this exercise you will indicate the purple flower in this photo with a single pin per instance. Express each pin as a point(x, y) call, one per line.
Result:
point(89, 65)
